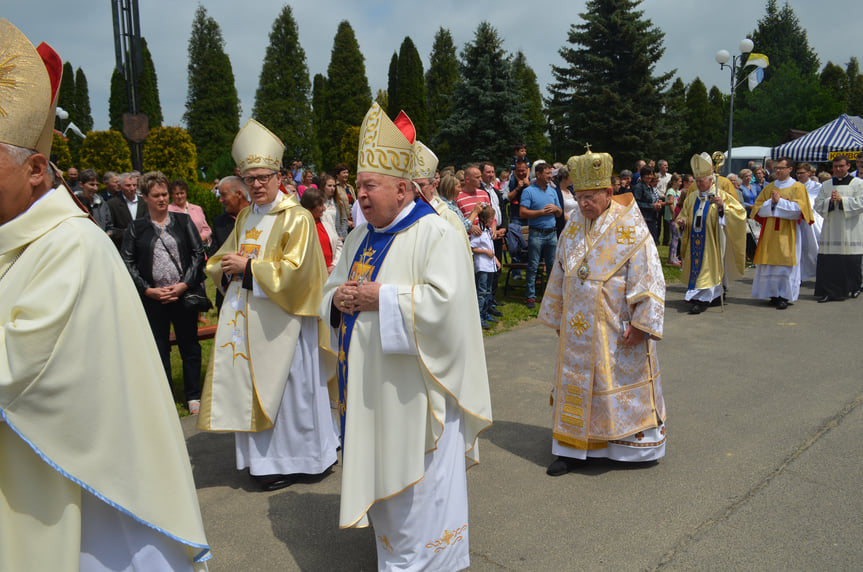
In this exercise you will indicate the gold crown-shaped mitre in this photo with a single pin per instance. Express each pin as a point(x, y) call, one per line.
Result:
point(425, 162)
point(590, 171)
point(26, 100)
point(383, 147)
point(255, 147)
point(702, 165)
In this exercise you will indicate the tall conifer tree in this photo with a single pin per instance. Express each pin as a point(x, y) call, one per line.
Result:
point(441, 79)
point(528, 90)
point(66, 97)
point(319, 105)
point(148, 89)
point(117, 101)
point(486, 115)
point(283, 98)
point(606, 93)
point(212, 106)
point(83, 113)
point(411, 87)
point(702, 120)
point(347, 95)
point(392, 107)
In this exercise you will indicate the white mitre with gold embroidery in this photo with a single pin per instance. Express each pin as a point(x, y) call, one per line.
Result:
point(702, 165)
point(386, 146)
point(425, 162)
point(590, 171)
point(29, 82)
point(256, 147)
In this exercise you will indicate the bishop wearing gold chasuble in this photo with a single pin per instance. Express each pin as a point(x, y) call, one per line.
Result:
point(412, 377)
point(606, 298)
point(268, 377)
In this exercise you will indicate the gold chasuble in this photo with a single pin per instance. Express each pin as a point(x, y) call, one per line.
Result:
point(777, 244)
point(258, 330)
point(707, 256)
point(607, 275)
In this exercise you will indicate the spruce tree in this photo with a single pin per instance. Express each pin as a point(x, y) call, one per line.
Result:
point(528, 91)
point(148, 89)
point(283, 98)
point(441, 79)
point(212, 106)
point(486, 116)
point(781, 38)
point(411, 87)
point(606, 93)
point(347, 95)
point(701, 121)
point(83, 113)
point(393, 86)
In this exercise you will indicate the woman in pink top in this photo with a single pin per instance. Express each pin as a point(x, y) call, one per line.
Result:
point(179, 191)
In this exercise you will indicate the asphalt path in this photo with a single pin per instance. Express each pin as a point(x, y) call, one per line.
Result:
point(763, 469)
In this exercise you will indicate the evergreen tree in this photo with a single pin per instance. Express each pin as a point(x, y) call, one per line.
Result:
point(411, 87)
point(319, 87)
point(283, 99)
point(83, 113)
point(486, 116)
point(66, 97)
point(835, 80)
point(347, 95)
point(148, 89)
point(781, 38)
point(854, 104)
point(676, 153)
point(702, 120)
point(791, 100)
point(393, 87)
point(212, 106)
point(441, 79)
point(524, 79)
point(382, 99)
point(117, 101)
point(606, 93)
point(719, 107)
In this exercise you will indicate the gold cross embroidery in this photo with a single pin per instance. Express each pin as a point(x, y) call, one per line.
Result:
point(578, 324)
point(572, 231)
point(626, 235)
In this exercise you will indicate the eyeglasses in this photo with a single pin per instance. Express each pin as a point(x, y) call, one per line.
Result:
point(263, 179)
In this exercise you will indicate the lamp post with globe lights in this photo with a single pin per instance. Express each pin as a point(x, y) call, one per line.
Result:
point(736, 62)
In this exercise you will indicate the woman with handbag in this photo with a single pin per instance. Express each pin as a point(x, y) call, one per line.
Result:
point(165, 257)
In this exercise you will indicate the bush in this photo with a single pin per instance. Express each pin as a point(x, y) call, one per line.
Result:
point(170, 150)
point(223, 166)
point(201, 194)
point(60, 154)
point(105, 151)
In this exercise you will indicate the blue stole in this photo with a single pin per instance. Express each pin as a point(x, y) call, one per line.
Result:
point(367, 261)
point(696, 241)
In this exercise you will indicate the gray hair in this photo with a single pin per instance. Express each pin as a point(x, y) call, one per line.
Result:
point(108, 176)
point(238, 181)
point(124, 176)
point(20, 154)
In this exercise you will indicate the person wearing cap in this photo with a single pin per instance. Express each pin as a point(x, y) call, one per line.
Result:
point(413, 385)
point(712, 226)
point(606, 299)
point(787, 248)
point(840, 248)
point(268, 378)
point(94, 473)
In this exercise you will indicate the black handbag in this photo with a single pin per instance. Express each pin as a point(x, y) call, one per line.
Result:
point(193, 299)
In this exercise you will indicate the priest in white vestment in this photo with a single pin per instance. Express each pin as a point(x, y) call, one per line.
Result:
point(94, 473)
point(606, 299)
point(271, 362)
point(413, 387)
point(787, 249)
point(840, 248)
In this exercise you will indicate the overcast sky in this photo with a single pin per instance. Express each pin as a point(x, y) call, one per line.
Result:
point(81, 31)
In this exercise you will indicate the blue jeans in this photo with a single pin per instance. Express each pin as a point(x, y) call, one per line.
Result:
point(539, 244)
point(483, 292)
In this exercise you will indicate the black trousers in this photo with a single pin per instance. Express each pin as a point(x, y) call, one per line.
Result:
point(837, 275)
point(161, 316)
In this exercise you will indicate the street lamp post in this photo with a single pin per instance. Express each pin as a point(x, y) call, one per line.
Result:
point(722, 58)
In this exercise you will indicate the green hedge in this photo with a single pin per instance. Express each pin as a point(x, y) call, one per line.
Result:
point(105, 151)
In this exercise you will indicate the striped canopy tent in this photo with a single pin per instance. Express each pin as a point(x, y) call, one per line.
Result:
point(842, 136)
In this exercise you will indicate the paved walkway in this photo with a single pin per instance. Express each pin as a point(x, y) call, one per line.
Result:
point(763, 470)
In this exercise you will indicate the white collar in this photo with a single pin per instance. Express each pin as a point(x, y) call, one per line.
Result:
point(264, 209)
point(402, 214)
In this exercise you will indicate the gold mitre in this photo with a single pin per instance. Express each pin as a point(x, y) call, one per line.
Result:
point(386, 146)
point(425, 162)
point(29, 82)
point(590, 171)
point(256, 147)
point(702, 165)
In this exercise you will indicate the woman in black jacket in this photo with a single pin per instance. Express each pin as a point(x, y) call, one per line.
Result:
point(165, 256)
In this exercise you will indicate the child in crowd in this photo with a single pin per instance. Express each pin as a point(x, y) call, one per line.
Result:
point(485, 265)
point(672, 198)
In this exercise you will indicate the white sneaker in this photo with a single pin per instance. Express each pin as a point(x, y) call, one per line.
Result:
point(194, 406)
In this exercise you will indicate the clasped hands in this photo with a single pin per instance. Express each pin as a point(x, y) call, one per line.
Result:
point(167, 294)
point(352, 296)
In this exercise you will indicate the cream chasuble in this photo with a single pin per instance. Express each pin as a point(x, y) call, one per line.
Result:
point(259, 329)
point(396, 403)
point(607, 274)
point(75, 424)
